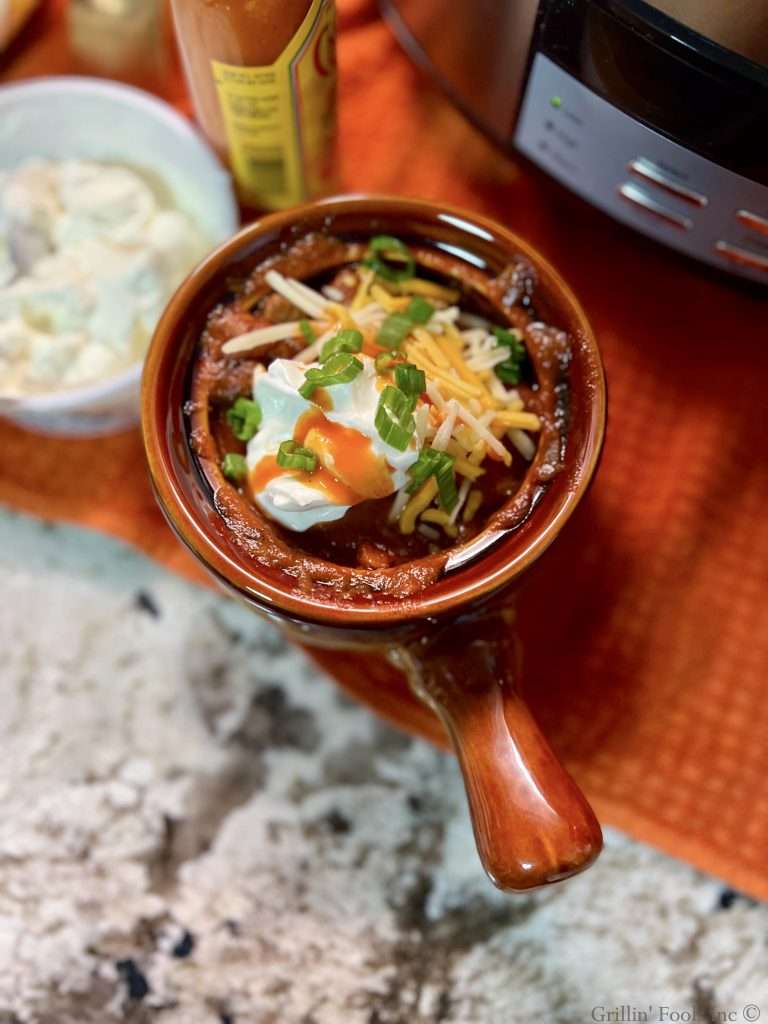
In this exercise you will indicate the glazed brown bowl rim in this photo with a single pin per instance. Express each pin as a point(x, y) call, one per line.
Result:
point(465, 586)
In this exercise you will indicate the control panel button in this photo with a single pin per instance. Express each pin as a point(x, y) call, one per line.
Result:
point(753, 221)
point(742, 257)
point(648, 204)
point(650, 171)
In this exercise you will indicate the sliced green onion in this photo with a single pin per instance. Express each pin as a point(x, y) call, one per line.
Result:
point(244, 418)
point(394, 330)
point(397, 326)
point(390, 258)
point(423, 468)
point(308, 331)
point(345, 341)
point(446, 485)
point(439, 465)
point(508, 372)
point(419, 310)
point(410, 379)
point(339, 369)
point(384, 361)
point(234, 467)
point(394, 418)
point(291, 455)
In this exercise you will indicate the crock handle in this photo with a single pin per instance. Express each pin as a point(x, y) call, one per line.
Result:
point(532, 823)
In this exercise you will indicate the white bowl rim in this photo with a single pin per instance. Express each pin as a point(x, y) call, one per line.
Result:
point(63, 399)
point(59, 400)
point(85, 84)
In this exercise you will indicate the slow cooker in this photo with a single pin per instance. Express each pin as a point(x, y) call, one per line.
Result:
point(656, 113)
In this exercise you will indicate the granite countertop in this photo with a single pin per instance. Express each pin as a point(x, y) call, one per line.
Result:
point(196, 827)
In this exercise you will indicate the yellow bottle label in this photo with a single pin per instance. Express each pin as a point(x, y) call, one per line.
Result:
point(12, 14)
point(280, 119)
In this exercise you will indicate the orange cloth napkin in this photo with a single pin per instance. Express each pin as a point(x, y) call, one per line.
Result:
point(649, 671)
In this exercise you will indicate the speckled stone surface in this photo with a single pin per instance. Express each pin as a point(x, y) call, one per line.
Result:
point(196, 827)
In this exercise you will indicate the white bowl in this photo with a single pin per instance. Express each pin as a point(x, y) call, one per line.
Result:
point(85, 118)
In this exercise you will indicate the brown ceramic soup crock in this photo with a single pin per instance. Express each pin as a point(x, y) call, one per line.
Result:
point(456, 639)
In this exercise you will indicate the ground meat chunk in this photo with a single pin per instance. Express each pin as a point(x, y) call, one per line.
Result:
point(278, 310)
point(238, 380)
point(374, 556)
point(233, 376)
point(229, 322)
point(346, 282)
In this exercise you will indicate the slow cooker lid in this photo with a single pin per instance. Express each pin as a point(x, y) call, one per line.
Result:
point(738, 25)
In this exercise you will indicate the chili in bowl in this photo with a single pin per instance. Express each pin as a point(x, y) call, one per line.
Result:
point(366, 417)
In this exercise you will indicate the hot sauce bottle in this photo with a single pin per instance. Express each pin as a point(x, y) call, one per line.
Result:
point(262, 74)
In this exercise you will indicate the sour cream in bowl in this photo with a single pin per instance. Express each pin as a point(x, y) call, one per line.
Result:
point(108, 198)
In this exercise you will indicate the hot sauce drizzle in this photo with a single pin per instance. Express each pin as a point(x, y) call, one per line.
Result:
point(349, 471)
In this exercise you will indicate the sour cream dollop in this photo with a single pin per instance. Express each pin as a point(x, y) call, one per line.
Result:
point(89, 256)
point(299, 501)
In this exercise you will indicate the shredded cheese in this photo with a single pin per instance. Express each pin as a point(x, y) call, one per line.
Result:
point(487, 361)
point(443, 435)
point(475, 342)
point(260, 337)
point(421, 500)
point(361, 295)
point(466, 469)
point(430, 347)
point(428, 531)
point(371, 315)
point(455, 449)
point(418, 286)
point(476, 456)
point(449, 315)
point(466, 438)
point(435, 395)
point(474, 501)
point(450, 385)
point(503, 395)
point(343, 316)
point(311, 352)
point(401, 500)
point(478, 453)
point(473, 320)
point(522, 443)
point(452, 353)
point(513, 405)
point(464, 490)
point(520, 420)
point(441, 518)
point(421, 418)
point(390, 302)
point(452, 348)
point(310, 293)
point(485, 434)
point(313, 304)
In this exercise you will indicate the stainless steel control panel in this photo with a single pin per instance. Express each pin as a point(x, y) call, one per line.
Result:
point(641, 177)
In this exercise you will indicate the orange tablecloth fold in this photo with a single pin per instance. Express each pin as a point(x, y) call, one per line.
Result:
point(651, 678)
